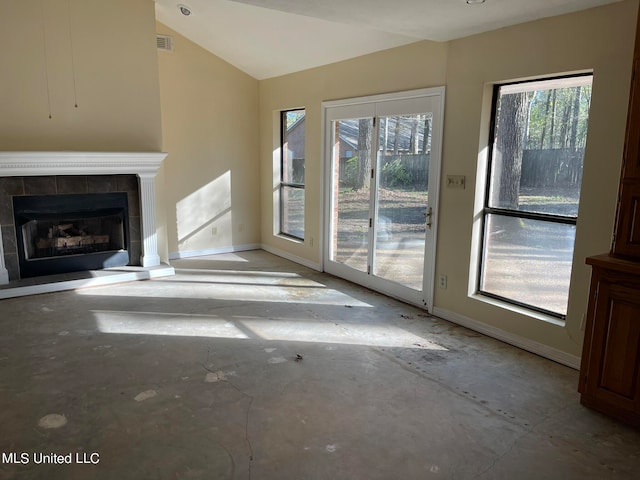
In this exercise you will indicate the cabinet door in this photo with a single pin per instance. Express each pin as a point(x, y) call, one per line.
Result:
point(631, 168)
point(627, 235)
point(613, 376)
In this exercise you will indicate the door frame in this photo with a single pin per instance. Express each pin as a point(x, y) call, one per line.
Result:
point(424, 298)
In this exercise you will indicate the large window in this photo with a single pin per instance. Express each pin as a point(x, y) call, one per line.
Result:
point(292, 137)
point(537, 143)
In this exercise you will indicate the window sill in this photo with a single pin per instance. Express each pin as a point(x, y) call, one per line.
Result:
point(519, 310)
point(297, 241)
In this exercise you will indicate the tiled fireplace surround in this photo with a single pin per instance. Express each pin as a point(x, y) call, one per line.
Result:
point(54, 173)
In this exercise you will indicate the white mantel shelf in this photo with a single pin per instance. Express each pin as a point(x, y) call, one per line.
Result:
point(143, 164)
point(18, 164)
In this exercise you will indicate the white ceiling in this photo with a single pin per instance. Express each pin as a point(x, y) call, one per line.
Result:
point(267, 38)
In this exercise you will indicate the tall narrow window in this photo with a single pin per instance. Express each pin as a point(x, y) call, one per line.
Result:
point(292, 137)
point(533, 191)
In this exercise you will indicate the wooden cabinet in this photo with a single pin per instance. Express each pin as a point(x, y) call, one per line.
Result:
point(627, 230)
point(610, 367)
point(610, 370)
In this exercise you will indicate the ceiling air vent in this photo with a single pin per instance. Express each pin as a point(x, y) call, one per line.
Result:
point(164, 42)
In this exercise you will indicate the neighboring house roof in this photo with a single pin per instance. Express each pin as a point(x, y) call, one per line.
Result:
point(298, 121)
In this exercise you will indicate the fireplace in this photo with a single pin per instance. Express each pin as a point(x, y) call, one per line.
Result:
point(67, 233)
point(25, 174)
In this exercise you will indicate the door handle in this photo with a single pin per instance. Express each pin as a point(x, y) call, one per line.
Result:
point(428, 215)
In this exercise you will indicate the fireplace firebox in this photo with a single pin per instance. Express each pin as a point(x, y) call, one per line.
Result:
point(67, 233)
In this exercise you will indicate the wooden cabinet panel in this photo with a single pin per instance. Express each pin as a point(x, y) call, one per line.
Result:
point(627, 235)
point(619, 371)
point(610, 373)
point(631, 166)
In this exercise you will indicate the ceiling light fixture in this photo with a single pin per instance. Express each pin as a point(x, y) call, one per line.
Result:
point(474, 2)
point(186, 11)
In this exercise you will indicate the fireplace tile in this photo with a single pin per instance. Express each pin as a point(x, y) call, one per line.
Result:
point(134, 228)
point(11, 262)
point(11, 186)
point(102, 183)
point(135, 240)
point(40, 185)
point(134, 204)
point(135, 252)
point(127, 183)
point(72, 184)
point(6, 210)
point(9, 239)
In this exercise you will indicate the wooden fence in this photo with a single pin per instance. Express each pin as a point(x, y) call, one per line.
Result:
point(540, 168)
point(403, 171)
point(552, 168)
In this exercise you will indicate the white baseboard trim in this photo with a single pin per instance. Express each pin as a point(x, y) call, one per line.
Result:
point(545, 351)
point(293, 258)
point(214, 251)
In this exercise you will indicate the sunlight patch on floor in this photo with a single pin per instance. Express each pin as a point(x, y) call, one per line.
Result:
point(245, 327)
point(238, 289)
point(171, 324)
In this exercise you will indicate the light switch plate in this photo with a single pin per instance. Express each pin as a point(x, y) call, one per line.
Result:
point(455, 181)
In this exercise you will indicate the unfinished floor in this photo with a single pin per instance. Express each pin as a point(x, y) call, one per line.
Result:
point(247, 366)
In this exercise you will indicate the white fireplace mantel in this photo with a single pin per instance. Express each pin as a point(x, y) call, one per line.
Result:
point(143, 164)
point(18, 164)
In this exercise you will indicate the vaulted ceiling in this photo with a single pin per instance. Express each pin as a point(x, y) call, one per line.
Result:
point(268, 38)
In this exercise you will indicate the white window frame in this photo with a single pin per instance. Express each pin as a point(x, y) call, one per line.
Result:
point(278, 176)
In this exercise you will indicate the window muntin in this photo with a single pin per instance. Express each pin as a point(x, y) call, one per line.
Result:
point(292, 158)
point(533, 191)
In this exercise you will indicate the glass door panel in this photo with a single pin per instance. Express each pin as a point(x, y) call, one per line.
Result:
point(351, 192)
point(402, 196)
point(382, 169)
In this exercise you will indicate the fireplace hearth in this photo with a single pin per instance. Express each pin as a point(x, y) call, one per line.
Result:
point(68, 233)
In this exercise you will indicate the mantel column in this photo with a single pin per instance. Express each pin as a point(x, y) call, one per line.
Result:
point(4, 273)
point(150, 257)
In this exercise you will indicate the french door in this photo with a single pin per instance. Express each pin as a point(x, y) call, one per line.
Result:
point(383, 169)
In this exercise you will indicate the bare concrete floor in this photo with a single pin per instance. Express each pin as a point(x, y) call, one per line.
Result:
point(247, 366)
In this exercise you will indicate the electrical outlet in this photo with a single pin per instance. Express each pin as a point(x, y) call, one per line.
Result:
point(442, 281)
point(311, 241)
point(214, 230)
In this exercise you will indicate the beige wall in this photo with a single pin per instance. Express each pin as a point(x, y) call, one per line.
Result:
point(210, 130)
point(600, 39)
point(107, 49)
